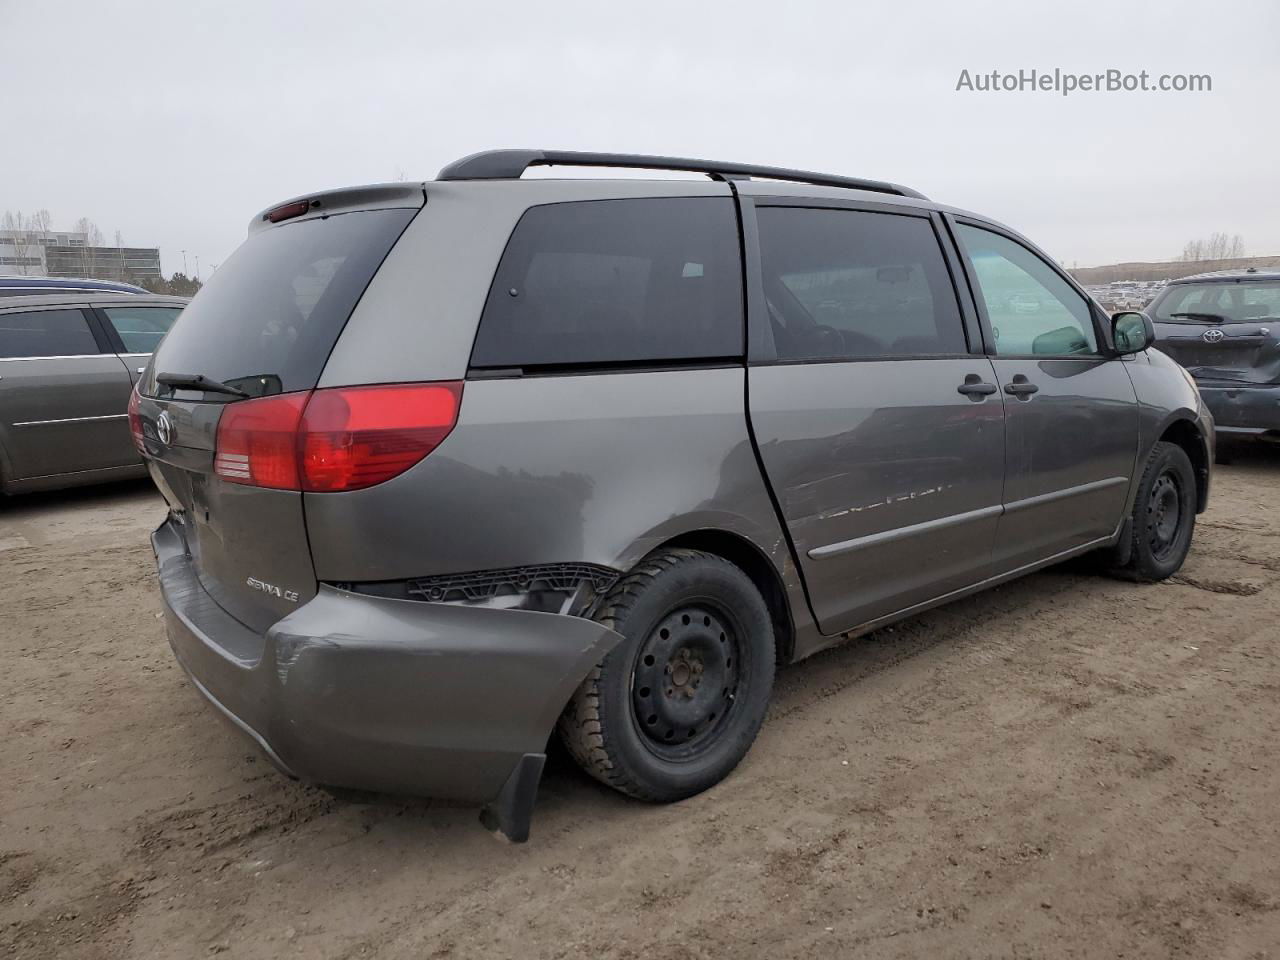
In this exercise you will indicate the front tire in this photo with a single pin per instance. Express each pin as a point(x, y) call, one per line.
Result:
point(1164, 516)
point(672, 709)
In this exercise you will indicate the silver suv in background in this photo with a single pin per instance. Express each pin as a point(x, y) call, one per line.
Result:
point(453, 465)
point(68, 362)
point(1224, 327)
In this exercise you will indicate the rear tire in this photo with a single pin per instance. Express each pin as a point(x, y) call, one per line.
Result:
point(676, 705)
point(1163, 518)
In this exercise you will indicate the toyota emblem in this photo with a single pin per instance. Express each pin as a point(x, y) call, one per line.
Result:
point(164, 428)
point(1213, 336)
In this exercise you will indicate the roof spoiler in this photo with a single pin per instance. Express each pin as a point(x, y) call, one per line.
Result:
point(510, 164)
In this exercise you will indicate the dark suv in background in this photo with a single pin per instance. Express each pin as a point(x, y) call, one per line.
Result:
point(1224, 327)
point(451, 464)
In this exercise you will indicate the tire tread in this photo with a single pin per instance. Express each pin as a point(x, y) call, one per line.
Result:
point(581, 726)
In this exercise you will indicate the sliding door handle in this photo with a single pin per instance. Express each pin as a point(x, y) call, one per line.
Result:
point(975, 389)
point(1020, 387)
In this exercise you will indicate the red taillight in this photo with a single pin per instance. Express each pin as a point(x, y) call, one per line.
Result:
point(135, 420)
point(356, 437)
point(258, 441)
point(337, 439)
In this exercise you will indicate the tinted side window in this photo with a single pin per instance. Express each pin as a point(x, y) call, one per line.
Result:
point(141, 328)
point(1033, 311)
point(847, 284)
point(608, 281)
point(46, 333)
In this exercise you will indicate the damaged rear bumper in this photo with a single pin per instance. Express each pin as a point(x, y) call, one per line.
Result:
point(1243, 409)
point(395, 696)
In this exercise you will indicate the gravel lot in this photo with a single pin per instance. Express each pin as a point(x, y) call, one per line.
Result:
point(1067, 766)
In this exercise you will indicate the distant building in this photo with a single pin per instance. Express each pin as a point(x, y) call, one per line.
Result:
point(67, 254)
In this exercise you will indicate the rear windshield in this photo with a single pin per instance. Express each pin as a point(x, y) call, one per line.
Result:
point(269, 316)
point(1228, 301)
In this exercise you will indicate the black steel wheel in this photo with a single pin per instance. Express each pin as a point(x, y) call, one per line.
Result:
point(673, 708)
point(1163, 518)
point(1164, 514)
point(685, 679)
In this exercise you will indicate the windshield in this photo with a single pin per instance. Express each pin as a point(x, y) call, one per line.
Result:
point(1227, 301)
point(268, 317)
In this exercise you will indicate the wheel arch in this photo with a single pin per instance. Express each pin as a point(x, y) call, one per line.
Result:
point(1185, 433)
point(752, 561)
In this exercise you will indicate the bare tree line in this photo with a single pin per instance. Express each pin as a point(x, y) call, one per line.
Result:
point(1218, 246)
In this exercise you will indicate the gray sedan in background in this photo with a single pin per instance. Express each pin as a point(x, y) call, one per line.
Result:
point(68, 362)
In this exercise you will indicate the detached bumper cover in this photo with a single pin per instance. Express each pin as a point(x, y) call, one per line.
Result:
point(1243, 408)
point(378, 694)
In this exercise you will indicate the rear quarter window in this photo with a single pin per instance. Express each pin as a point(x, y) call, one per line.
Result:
point(615, 282)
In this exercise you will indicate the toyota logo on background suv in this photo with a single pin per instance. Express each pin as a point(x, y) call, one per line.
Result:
point(1213, 336)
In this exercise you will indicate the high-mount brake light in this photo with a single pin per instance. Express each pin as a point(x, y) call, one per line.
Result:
point(287, 211)
point(336, 439)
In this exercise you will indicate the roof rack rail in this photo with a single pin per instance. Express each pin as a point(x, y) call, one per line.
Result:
point(510, 164)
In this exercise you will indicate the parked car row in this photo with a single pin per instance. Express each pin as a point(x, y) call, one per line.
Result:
point(453, 465)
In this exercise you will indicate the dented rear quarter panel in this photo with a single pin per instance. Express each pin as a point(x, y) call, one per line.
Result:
point(598, 468)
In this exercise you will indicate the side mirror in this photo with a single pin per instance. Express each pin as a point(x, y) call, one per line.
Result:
point(1132, 332)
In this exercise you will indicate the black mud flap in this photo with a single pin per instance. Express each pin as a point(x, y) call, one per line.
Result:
point(509, 814)
point(1124, 545)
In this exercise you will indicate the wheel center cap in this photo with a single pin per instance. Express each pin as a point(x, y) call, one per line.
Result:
point(680, 674)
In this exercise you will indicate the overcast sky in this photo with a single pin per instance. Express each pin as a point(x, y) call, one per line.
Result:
point(176, 122)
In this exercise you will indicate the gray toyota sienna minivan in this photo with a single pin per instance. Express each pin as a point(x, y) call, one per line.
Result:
point(453, 465)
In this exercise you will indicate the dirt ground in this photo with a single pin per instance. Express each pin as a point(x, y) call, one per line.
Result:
point(1067, 766)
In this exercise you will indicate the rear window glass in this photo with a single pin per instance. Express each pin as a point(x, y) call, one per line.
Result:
point(616, 281)
point(141, 328)
point(1216, 302)
point(46, 333)
point(268, 318)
